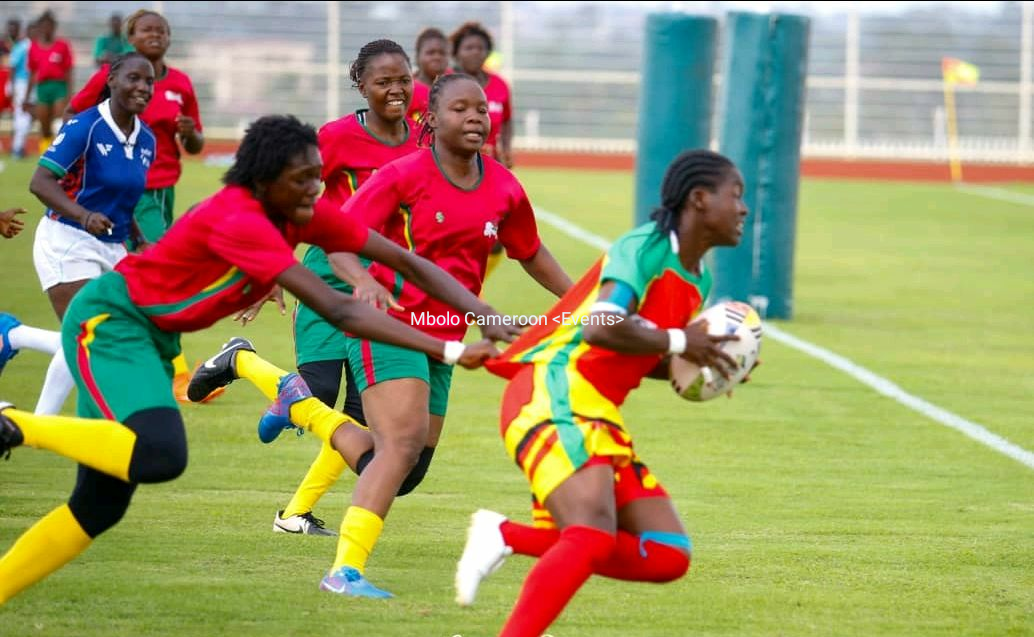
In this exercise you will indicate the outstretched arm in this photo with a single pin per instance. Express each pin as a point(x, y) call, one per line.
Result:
point(421, 273)
point(356, 317)
point(612, 329)
point(547, 272)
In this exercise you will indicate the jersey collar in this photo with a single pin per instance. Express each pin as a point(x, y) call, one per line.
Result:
point(104, 108)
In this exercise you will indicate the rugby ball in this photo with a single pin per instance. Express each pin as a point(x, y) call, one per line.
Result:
point(699, 384)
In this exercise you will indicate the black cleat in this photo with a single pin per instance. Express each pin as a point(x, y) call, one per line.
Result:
point(10, 434)
point(217, 371)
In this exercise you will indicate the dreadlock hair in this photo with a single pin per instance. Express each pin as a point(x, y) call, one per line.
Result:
point(369, 51)
point(468, 29)
point(116, 64)
point(139, 13)
point(429, 33)
point(426, 132)
point(268, 146)
point(698, 168)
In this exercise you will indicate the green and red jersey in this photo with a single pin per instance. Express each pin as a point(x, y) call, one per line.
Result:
point(351, 153)
point(667, 296)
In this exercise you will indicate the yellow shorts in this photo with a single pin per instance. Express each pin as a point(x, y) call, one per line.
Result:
point(554, 422)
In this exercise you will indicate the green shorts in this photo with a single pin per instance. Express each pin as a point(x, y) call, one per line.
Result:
point(121, 362)
point(51, 92)
point(153, 213)
point(373, 362)
point(314, 338)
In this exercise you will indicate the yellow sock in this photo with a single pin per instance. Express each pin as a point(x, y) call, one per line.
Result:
point(323, 473)
point(44, 144)
point(179, 365)
point(50, 544)
point(359, 532)
point(494, 259)
point(263, 374)
point(312, 415)
point(104, 445)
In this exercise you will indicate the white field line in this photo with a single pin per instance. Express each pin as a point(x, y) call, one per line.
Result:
point(1000, 194)
point(859, 373)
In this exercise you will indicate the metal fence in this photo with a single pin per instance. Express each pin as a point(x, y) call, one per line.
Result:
point(874, 86)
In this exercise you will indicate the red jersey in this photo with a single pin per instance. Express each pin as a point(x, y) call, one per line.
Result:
point(500, 109)
point(418, 105)
point(224, 255)
point(411, 202)
point(351, 153)
point(50, 62)
point(173, 94)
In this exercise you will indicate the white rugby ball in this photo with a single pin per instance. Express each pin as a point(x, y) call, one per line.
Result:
point(699, 384)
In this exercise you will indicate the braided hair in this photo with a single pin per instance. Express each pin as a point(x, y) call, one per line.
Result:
point(369, 51)
point(426, 132)
point(698, 168)
point(268, 146)
point(116, 64)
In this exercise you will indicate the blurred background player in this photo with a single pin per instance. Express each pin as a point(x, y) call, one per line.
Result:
point(174, 117)
point(112, 44)
point(88, 220)
point(123, 329)
point(596, 506)
point(50, 66)
point(432, 59)
point(352, 148)
point(21, 105)
point(471, 46)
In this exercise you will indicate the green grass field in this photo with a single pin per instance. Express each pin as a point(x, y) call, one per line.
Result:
point(816, 506)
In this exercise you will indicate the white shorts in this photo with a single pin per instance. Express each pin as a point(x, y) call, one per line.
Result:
point(63, 254)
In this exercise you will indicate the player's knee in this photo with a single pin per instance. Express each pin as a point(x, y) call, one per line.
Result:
point(670, 555)
point(403, 450)
point(417, 473)
point(99, 501)
point(160, 453)
point(675, 567)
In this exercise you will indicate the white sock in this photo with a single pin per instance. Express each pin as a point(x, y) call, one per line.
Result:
point(25, 337)
point(56, 387)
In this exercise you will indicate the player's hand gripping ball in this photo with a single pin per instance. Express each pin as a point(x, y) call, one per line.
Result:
point(698, 384)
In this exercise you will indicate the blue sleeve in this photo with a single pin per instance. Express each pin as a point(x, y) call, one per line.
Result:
point(18, 56)
point(69, 145)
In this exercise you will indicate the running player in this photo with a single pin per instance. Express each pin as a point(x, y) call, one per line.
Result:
point(597, 508)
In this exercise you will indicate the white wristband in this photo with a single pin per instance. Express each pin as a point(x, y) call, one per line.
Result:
point(676, 341)
point(453, 351)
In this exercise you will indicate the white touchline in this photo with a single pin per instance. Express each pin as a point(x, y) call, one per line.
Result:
point(1000, 194)
point(859, 373)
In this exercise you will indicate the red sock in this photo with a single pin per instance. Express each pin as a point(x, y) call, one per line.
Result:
point(662, 563)
point(528, 540)
point(559, 574)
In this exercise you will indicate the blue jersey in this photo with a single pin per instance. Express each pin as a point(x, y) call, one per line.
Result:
point(100, 168)
point(19, 60)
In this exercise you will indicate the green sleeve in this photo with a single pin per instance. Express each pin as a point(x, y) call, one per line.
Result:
point(633, 260)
